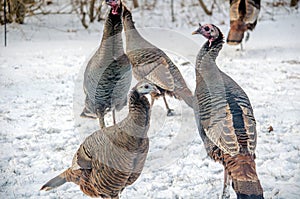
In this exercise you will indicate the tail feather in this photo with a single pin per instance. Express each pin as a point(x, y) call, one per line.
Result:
point(247, 189)
point(243, 196)
point(55, 182)
point(87, 114)
point(242, 171)
point(186, 95)
point(236, 32)
point(68, 175)
point(235, 37)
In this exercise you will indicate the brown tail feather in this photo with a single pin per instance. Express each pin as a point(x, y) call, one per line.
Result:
point(186, 95)
point(55, 182)
point(68, 175)
point(79, 177)
point(242, 171)
point(236, 32)
point(251, 187)
point(87, 114)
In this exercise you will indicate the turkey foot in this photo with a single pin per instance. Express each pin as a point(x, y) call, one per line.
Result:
point(170, 112)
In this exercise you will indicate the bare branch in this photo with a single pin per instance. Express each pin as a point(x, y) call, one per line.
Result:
point(172, 10)
point(91, 12)
point(205, 8)
point(83, 22)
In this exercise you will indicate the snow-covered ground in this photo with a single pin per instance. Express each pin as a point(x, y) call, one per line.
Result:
point(41, 98)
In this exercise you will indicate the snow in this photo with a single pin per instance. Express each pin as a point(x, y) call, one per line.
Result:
point(41, 91)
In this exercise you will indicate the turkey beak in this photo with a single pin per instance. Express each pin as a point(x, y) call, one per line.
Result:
point(155, 91)
point(198, 31)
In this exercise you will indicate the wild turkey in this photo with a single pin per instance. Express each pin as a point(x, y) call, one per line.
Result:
point(243, 17)
point(225, 119)
point(153, 64)
point(112, 158)
point(107, 77)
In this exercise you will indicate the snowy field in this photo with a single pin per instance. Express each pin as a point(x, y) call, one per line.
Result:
point(41, 73)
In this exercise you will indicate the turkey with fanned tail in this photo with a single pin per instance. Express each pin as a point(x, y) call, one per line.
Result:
point(108, 74)
point(112, 158)
point(153, 64)
point(225, 119)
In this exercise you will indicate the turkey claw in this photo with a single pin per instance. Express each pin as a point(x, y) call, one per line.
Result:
point(170, 112)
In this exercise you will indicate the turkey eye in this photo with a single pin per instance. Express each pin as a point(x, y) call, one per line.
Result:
point(206, 28)
point(146, 86)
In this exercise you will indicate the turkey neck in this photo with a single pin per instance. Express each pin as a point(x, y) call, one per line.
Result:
point(134, 41)
point(207, 55)
point(209, 80)
point(210, 52)
point(112, 37)
point(138, 118)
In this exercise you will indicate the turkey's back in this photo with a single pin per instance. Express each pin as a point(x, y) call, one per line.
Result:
point(146, 60)
point(226, 119)
point(151, 63)
point(114, 159)
point(117, 153)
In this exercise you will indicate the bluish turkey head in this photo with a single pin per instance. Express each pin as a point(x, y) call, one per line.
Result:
point(114, 4)
point(209, 31)
point(144, 87)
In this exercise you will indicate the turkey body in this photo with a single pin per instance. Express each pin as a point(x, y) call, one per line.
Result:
point(151, 63)
point(226, 123)
point(243, 17)
point(112, 158)
point(108, 74)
